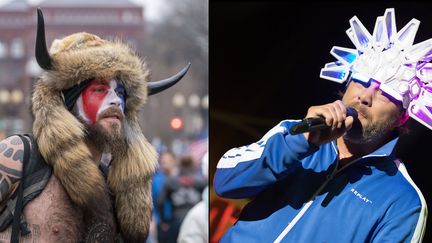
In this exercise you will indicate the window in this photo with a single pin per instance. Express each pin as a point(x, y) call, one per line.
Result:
point(17, 48)
point(3, 49)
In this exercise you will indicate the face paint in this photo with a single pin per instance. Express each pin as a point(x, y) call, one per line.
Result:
point(98, 96)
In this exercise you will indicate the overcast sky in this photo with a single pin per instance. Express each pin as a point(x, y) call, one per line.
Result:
point(153, 8)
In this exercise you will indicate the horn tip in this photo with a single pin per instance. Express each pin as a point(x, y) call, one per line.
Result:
point(40, 15)
point(187, 66)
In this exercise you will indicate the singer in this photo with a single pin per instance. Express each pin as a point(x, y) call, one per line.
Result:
point(341, 183)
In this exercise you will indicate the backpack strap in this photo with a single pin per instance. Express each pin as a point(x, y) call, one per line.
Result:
point(19, 203)
point(37, 173)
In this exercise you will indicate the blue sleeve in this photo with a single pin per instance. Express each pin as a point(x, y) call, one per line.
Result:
point(408, 225)
point(246, 171)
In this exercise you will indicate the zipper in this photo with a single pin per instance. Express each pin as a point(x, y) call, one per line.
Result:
point(291, 224)
point(329, 177)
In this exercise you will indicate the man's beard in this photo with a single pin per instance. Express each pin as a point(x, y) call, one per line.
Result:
point(362, 134)
point(107, 140)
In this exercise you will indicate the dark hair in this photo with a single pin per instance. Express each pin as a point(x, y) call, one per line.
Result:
point(187, 162)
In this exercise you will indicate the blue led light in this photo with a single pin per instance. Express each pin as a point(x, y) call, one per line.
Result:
point(349, 57)
point(361, 37)
point(335, 74)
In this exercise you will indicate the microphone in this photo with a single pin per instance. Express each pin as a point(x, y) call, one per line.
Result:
point(316, 123)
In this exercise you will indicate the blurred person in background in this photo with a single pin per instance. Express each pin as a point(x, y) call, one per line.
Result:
point(184, 190)
point(167, 167)
point(194, 227)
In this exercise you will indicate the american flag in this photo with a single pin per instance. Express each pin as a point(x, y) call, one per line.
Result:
point(198, 148)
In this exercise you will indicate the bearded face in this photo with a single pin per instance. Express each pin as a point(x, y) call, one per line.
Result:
point(378, 114)
point(100, 107)
point(368, 128)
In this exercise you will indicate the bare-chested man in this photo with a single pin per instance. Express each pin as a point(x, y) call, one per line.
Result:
point(85, 107)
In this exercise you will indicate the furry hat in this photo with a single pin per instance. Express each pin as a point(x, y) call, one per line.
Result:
point(61, 136)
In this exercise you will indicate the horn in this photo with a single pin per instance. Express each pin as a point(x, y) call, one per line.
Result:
point(158, 86)
point(43, 58)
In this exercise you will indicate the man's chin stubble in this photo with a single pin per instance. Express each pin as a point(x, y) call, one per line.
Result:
point(365, 134)
point(109, 139)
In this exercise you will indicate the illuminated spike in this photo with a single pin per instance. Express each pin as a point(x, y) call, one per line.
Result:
point(417, 51)
point(337, 74)
point(380, 39)
point(414, 88)
point(405, 37)
point(425, 72)
point(350, 34)
point(419, 112)
point(361, 35)
point(345, 55)
point(427, 57)
point(390, 22)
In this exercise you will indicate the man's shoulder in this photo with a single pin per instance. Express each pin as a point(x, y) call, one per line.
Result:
point(404, 187)
point(12, 152)
point(11, 163)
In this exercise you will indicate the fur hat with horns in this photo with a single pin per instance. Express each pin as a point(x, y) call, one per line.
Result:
point(61, 136)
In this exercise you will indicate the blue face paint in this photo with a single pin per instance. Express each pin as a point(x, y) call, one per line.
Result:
point(121, 93)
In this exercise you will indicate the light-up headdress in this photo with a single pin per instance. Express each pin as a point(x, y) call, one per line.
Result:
point(389, 58)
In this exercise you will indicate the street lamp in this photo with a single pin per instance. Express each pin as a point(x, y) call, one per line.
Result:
point(16, 96)
point(205, 102)
point(178, 100)
point(194, 100)
point(4, 96)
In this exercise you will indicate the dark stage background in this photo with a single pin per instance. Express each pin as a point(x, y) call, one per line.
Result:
point(265, 60)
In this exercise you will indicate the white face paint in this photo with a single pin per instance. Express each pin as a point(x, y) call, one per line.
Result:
point(98, 96)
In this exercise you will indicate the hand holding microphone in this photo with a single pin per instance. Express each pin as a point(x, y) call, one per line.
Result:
point(325, 123)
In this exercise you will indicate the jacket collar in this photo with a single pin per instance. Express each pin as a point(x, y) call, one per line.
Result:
point(387, 150)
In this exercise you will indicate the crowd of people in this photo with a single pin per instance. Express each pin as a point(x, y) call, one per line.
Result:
point(179, 199)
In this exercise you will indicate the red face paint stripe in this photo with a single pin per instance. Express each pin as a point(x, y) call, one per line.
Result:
point(92, 98)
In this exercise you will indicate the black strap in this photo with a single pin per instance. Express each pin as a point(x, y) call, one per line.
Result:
point(19, 204)
point(71, 95)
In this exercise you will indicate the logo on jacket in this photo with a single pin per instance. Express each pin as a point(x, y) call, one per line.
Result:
point(359, 195)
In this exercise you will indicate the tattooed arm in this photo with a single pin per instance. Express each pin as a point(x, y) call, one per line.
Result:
point(11, 159)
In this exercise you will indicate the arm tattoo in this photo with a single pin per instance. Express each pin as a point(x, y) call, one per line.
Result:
point(15, 140)
point(11, 159)
point(3, 147)
point(6, 182)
